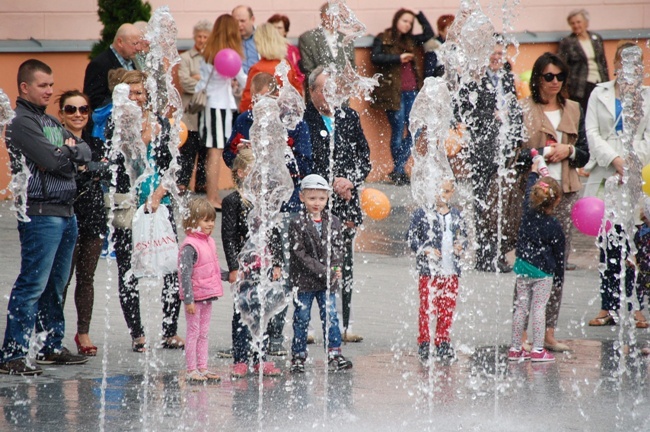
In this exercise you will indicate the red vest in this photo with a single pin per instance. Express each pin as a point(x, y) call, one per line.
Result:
point(206, 274)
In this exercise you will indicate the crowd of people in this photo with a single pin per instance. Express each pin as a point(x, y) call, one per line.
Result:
point(572, 119)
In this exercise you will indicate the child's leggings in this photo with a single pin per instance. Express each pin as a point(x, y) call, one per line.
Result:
point(531, 296)
point(196, 341)
point(441, 302)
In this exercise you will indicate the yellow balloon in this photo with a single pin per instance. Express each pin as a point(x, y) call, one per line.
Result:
point(645, 174)
point(182, 132)
point(375, 204)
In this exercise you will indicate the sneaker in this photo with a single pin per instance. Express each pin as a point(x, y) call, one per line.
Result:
point(351, 337)
point(268, 369)
point(276, 349)
point(239, 370)
point(445, 351)
point(298, 365)
point(423, 351)
point(61, 357)
point(19, 366)
point(337, 363)
point(541, 356)
point(518, 356)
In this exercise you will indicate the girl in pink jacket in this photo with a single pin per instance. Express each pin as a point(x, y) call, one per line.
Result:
point(199, 276)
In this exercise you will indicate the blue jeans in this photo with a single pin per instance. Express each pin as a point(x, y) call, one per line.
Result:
point(400, 146)
point(46, 246)
point(302, 316)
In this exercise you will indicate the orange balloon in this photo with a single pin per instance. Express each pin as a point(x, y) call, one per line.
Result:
point(523, 89)
point(182, 133)
point(454, 141)
point(375, 204)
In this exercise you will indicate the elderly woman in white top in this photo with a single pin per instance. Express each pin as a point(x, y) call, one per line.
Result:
point(215, 122)
point(604, 125)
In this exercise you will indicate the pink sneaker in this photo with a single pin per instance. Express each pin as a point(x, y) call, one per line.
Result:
point(239, 370)
point(518, 356)
point(543, 356)
point(268, 369)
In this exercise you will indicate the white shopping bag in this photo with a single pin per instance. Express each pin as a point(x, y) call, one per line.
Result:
point(155, 249)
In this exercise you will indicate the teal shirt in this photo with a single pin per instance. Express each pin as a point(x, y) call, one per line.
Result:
point(524, 268)
point(149, 185)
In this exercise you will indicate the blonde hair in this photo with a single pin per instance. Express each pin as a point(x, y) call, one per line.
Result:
point(270, 43)
point(544, 194)
point(133, 77)
point(198, 209)
point(620, 46)
point(243, 161)
point(225, 34)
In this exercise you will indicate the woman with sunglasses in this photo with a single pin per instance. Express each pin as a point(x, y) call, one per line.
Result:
point(74, 110)
point(555, 126)
point(604, 125)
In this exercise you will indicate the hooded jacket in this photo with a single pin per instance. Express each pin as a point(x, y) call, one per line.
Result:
point(39, 137)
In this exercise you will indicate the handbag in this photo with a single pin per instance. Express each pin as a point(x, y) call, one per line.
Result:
point(155, 248)
point(199, 99)
point(123, 209)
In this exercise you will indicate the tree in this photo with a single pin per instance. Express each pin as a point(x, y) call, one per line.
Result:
point(114, 13)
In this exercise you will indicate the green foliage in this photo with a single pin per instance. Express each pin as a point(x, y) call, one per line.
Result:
point(114, 13)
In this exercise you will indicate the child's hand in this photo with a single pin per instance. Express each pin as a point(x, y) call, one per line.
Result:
point(190, 309)
point(232, 276)
point(458, 248)
point(437, 253)
point(277, 273)
point(339, 274)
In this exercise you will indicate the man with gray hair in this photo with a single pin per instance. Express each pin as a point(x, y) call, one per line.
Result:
point(351, 166)
point(126, 44)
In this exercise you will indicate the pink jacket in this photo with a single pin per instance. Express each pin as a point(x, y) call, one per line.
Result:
point(206, 274)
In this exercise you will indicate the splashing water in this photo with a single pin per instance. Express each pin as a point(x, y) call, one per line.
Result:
point(20, 172)
point(267, 186)
point(160, 60)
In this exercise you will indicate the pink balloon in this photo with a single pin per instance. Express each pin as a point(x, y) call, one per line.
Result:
point(587, 215)
point(227, 63)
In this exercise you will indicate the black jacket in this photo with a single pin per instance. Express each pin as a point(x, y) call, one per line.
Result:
point(308, 264)
point(96, 77)
point(541, 240)
point(351, 156)
point(51, 189)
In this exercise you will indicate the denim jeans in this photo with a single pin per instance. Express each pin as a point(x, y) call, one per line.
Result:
point(302, 316)
point(36, 300)
point(400, 146)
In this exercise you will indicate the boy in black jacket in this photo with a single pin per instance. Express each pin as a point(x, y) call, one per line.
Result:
point(314, 262)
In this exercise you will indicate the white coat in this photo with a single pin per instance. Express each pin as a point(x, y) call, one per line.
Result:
point(604, 142)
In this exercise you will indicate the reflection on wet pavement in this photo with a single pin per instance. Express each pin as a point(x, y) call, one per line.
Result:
point(589, 389)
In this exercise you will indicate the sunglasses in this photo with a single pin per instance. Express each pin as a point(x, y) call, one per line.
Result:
point(71, 109)
point(548, 77)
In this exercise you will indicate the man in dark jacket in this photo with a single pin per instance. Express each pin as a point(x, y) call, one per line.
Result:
point(127, 43)
point(351, 166)
point(47, 240)
point(495, 107)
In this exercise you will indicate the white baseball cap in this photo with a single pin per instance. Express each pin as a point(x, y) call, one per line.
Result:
point(314, 181)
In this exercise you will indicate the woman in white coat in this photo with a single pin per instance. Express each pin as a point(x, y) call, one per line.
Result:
point(604, 125)
point(215, 122)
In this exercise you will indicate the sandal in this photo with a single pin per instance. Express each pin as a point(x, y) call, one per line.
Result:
point(195, 377)
point(210, 376)
point(85, 350)
point(603, 321)
point(138, 345)
point(174, 342)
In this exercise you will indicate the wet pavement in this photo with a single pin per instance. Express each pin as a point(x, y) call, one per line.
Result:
point(592, 388)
